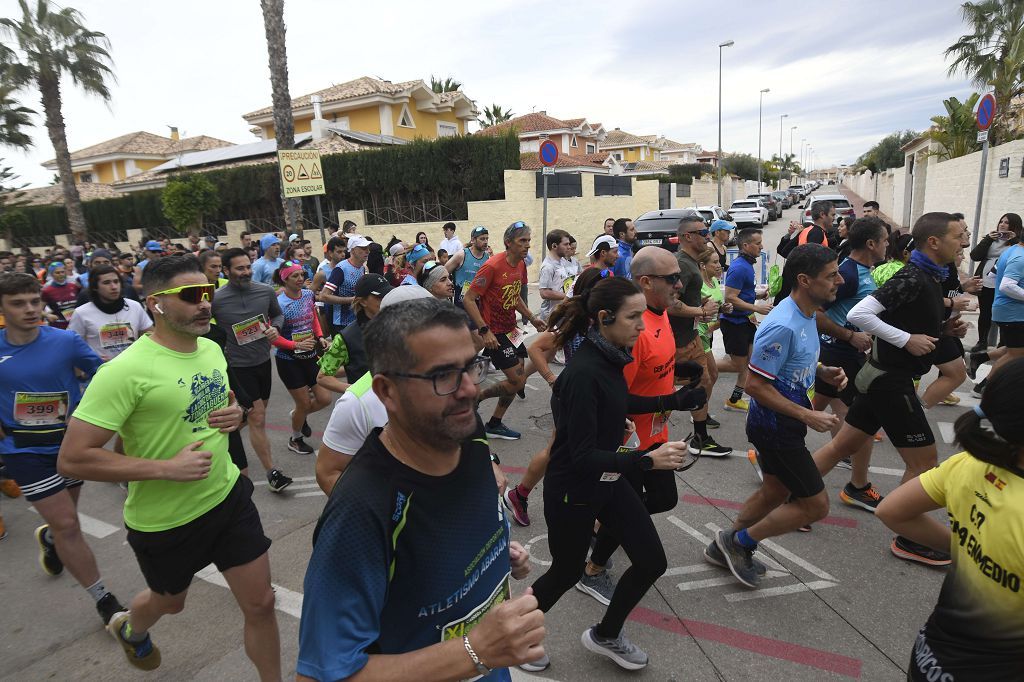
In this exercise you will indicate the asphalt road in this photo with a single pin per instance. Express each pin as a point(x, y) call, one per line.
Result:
point(836, 605)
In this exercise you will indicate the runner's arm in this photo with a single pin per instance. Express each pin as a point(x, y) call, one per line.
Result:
point(738, 304)
point(319, 278)
point(905, 511)
point(541, 351)
point(472, 309)
point(827, 326)
point(455, 261)
point(83, 456)
point(330, 465)
point(84, 357)
point(865, 315)
point(1010, 283)
point(328, 295)
point(761, 389)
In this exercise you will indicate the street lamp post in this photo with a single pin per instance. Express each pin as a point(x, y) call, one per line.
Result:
point(728, 43)
point(779, 182)
point(760, 103)
point(803, 164)
point(791, 139)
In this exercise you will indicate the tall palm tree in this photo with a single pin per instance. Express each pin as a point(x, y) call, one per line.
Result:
point(494, 114)
point(446, 85)
point(53, 42)
point(284, 124)
point(993, 54)
point(13, 118)
point(955, 131)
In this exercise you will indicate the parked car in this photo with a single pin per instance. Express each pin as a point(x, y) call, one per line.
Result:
point(774, 210)
point(659, 228)
point(784, 198)
point(749, 212)
point(799, 190)
point(842, 204)
point(713, 213)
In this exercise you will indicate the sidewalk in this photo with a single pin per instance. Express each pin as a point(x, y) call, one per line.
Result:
point(858, 204)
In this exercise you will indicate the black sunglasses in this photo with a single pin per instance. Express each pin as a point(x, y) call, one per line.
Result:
point(671, 280)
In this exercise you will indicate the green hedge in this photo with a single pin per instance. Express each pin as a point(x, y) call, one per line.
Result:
point(449, 171)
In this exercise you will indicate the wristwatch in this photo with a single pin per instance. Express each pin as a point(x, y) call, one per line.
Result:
point(494, 459)
point(480, 667)
point(482, 330)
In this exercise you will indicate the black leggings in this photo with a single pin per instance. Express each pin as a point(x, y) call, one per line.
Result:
point(658, 491)
point(569, 530)
point(986, 297)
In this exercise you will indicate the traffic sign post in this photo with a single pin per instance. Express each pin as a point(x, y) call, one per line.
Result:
point(302, 176)
point(548, 155)
point(983, 116)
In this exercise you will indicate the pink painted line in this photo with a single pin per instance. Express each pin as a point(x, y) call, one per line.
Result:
point(513, 470)
point(731, 504)
point(738, 639)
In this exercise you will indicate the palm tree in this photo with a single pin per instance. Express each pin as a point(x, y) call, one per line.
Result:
point(447, 85)
point(956, 131)
point(53, 42)
point(993, 55)
point(494, 114)
point(284, 124)
point(13, 117)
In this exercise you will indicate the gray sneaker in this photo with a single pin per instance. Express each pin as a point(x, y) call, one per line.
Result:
point(601, 586)
point(626, 654)
point(714, 556)
point(540, 665)
point(739, 559)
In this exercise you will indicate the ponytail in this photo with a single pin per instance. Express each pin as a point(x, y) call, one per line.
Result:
point(993, 431)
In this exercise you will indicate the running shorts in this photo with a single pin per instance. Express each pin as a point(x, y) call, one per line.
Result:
point(850, 364)
point(254, 382)
point(890, 403)
point(1011, 334)
point(793, 466)
point(36, 475)
point(297, 373)
point(228, 535)
point(506, 356)
point(949, 348)
point(738, 337)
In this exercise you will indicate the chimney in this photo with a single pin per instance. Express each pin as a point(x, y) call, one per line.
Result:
point(317, 100)
point(318, 126)
point(543, 113)
point(174, 133)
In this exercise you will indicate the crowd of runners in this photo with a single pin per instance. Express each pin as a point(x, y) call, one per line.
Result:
point(146, 368)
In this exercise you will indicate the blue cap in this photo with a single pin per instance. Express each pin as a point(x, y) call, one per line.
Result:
point(419, 251)
point(721, 225)
point(153, 245)
point(478, 230)
point(268, 240)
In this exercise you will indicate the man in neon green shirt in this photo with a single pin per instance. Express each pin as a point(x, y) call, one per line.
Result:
point(167, 397)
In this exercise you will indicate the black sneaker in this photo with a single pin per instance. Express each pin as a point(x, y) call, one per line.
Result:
point(48, 559)
point(300, 446)
point(867, 499)
point(109, 607)
point(739, 559)
point(707, 447)
point(713, 423)
point(908, 550)
point(973, 363)
point(979, 387)
point(277, 480)
point(306, 431)
point(521, 393)
point(845, 463)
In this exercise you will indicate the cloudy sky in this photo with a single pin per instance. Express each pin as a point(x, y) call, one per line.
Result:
point(846, 73)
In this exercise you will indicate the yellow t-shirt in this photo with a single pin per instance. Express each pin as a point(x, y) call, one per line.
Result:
point(158, 400)
point(978, 622)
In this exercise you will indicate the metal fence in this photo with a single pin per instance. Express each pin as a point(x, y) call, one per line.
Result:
point(414, 213)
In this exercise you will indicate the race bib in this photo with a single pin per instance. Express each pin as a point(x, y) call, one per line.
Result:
point(610, 476)
point(658, 422)
point(515, 337)
point(40, 409)
point(567, 285)
point(301, 336)
point(116, 336)
point(249, 330)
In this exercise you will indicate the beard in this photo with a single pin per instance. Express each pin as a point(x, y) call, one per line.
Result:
point(456, 423)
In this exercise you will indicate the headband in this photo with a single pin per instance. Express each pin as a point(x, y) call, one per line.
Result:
point(288, 271)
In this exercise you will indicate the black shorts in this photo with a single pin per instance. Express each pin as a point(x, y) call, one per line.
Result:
point(506, 356)
point(793, 466)
point(891, 403)
point(946, 349)
point(254, 383)
point(297, 373)
point(850, 364)
point(1011, 334)
point(228, 535)
point(236, 448)
point(36, 475)
point(738, 337)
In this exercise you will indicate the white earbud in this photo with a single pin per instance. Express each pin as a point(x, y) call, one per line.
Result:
point(159, 309)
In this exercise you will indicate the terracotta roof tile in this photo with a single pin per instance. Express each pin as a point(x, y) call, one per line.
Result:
point(530, 161)
point(621, 137)
point(141, 142)
point(53, 194)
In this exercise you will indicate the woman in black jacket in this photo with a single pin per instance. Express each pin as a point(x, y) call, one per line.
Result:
point(584, 479)
point(986, 255)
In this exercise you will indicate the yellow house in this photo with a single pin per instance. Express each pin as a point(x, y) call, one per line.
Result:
point(406, 110)
point(630, 148)
point(130, 154)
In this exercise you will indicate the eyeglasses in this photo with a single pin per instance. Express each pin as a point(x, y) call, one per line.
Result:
point(430, 265)
point(191, 293)
point(671, 280)
point(518, 225)
point(448, 381)
point(703, 233)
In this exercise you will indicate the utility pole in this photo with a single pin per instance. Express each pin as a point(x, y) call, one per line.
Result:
point(779, 181)
point(728, 43)
point(760, 104)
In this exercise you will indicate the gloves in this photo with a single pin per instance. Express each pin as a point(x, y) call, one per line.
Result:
point(691, 370)
point(686, 398)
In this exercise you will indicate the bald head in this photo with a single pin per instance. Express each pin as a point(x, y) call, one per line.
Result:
point(652, 261)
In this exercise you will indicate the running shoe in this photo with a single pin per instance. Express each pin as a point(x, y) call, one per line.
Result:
point(306, 431)
point(521, 393)
point(48, 559)
point(806, 528)
point(109, 608)
point(973, 364)
point(740, 405)
point(844, 463)
point(950, 400)
point(978, 347)
point(300, 446)
point(878, 437)
point(601, 586)
point(909, 550)
point(738, 559)
point(10, 488)
point(277, 480)
point(540, 665)
point(714, 556)
point(712, 422)
point(143, 655)
point(502, 432)
point(707, 447)
point(517, 506)
point(867, 499)
point(979, 387)
point(625, 654)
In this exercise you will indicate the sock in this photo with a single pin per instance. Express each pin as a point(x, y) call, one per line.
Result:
point(737, 393)
point(296, 435)
point(523, 491)
point(700, 428)
point(131, 636)
point(96, 590)
point(744, 540)
point(494, 421)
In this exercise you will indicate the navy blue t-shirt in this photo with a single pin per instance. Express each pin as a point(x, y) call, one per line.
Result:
point(402, 560)
point(740, 276)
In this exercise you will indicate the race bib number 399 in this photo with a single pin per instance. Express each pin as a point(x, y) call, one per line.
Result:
point(40, 409)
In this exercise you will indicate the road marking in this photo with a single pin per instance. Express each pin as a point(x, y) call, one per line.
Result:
point(802, 563)
point(780, 590)
point(297, 479)
point(687, 570)
point(285, 600)
point(312, 493)
point(946, 429)
point(725, 580)
point(886, 471)
point(91, 526)
point(542, 562)
point(705, 540)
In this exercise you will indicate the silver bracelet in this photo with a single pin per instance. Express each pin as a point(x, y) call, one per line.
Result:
point(480, 667)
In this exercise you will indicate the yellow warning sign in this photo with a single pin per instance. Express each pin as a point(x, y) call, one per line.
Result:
point(296, 177)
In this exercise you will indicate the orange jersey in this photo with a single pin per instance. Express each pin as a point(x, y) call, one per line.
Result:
point(652, 373)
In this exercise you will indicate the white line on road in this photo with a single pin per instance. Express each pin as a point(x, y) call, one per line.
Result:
point(725, 580)
point(531, 543)
point(296, 480)
point(687, 570)
point(689, 530)
point(764, 558)
point(886, 471)
point(802, 563)
point(286, 601)
point(91, 526)
point(312, 493)
point(780, 590)
point(946, 429)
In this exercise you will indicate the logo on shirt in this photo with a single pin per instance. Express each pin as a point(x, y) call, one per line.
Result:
point(995, 480)
point(772, 351)
point(208, 394)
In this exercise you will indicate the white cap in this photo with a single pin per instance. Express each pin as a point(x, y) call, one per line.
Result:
point(397, 249)
point(353, 242)
point(409, 292)
point(603, 240)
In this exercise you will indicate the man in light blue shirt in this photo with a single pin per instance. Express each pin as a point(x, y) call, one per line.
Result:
point(263, 268)
point(1008, 305)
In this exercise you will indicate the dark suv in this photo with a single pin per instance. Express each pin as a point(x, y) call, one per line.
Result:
point(660, 228)
point(774, 209)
